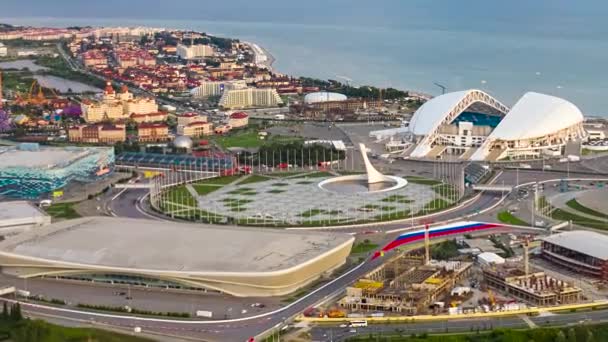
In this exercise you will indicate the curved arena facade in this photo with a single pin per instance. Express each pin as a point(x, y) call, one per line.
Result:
point(242, 262)
point(475, 126)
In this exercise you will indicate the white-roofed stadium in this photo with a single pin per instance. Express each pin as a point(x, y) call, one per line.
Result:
point(165, 255)
point(473, 125)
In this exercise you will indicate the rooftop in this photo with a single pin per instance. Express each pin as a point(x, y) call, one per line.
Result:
point(168, 246)
point(582, 241)
point(44, 157)
point(19, 210)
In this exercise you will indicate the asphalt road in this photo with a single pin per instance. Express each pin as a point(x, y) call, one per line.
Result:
point(335, 333)
point(127, 205)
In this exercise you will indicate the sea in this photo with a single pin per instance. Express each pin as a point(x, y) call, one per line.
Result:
point(506, 48)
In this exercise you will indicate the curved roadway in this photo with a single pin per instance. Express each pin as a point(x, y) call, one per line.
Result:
point(127, 204)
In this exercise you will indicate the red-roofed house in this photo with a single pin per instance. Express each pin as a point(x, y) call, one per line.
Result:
point(238, 119)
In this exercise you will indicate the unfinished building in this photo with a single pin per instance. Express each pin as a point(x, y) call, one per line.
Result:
point(536, 288)
point(404, 285)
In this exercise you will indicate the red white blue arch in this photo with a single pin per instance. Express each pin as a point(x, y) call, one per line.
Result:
point(435, 232)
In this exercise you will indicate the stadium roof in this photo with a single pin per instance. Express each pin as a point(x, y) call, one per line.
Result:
point(323, 96)
point(436, 110)
point(582, 241)
point(169, 246)
point(42, 157)
point(537, 115)
point(21, 212)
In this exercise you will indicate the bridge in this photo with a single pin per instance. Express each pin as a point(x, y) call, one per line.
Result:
point(492, 188)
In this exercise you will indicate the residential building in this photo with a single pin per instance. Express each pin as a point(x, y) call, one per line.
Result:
point(115, 106)
point(3, 50)
point(196, 129)
point(216, 88)
point(94, 59)
point(238, 119)
point(190, 117)
point(97, 133)
point(149, 117)
point(153, 132)
point(250, 97)
point(194, 51)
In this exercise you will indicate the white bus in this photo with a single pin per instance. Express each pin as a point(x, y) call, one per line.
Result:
point(357, 324)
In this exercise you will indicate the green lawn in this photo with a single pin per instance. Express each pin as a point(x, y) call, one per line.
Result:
point(249, 138)
point(433, 206)
point(318, 174)
point(508, 218)
point(63, 210)
point(397, 199)
point(574, 204)
point(220, 180)
point(422, 180)
point(363, 247)
point(15, 328)
point(583, 333)
point(276, 191)
point(563, 215)
point(245, 139)
point(204, 189)
point(179, 194)
point(253, 179)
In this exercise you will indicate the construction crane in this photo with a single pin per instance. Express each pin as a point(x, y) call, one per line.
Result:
point(491, 297)
point(35, 95)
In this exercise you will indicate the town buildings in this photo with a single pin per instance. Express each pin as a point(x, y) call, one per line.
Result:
point(195, 129)
point(250, 98)
point(194, 51)
point(97, 133)
point(149, 117)
point(190, 117)
point(153, 132)
point(238, 119)
point(216, 88)
point(115, 106)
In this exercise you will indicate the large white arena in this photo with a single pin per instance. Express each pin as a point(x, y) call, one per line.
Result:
point(472, 125)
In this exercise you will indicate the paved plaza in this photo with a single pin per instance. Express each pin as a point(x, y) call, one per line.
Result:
point(299, 200)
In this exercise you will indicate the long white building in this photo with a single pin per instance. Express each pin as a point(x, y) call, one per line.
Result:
point(250, 98)
point(216, 88)
point(475, 126)
point(194, 51)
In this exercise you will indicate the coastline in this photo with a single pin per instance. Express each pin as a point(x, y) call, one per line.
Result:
point(262, 57)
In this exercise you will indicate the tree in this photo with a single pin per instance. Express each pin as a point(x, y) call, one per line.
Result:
point(561, 337)
point(571, 335)
point(5, 122)
point(4, 311)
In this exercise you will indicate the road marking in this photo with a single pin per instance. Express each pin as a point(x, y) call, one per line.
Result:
point(528, 321)
point(160, 320)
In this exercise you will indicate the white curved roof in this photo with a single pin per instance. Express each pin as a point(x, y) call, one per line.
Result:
point(536, 115)
point(432, 113)
point(323, 96)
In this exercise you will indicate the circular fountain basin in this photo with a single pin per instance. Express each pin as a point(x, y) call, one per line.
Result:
point(357, 184)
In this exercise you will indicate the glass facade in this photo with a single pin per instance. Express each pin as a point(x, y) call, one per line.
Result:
point(30, 181)
point(210, 163)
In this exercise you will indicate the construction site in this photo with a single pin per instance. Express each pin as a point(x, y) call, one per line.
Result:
point(412, 283)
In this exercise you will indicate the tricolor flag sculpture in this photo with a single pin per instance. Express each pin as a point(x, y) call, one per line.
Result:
point(444, 230)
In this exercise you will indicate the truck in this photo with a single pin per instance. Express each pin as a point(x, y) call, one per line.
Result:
point(279, 117)
point(204, 313)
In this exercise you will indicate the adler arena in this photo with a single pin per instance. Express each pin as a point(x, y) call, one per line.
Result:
point(473, 125)
point(166, 255)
